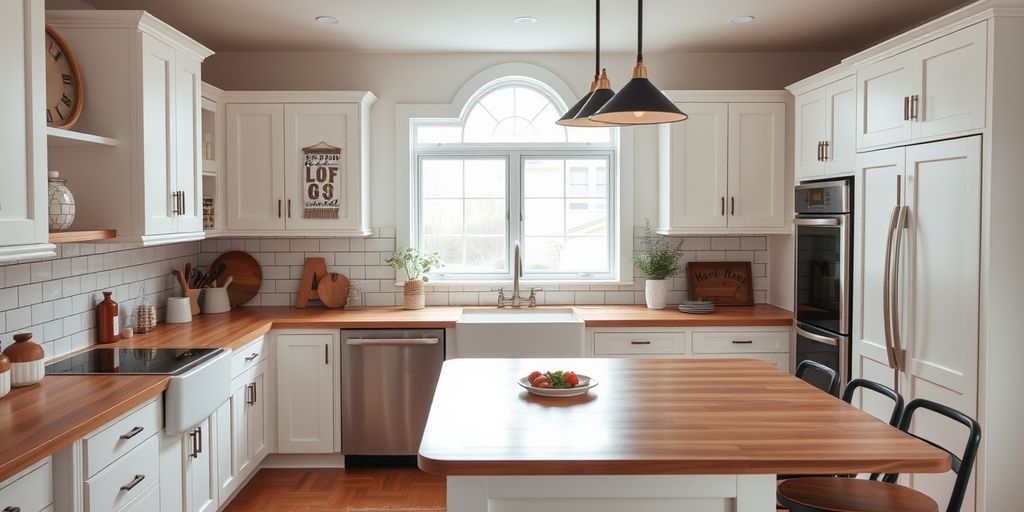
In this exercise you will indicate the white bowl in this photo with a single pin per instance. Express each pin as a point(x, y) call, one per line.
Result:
point(585, 384)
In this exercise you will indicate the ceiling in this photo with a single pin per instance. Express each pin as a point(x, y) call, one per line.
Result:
point(399, 26)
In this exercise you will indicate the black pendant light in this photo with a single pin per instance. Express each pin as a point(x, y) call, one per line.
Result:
point(639, 101)
point(600, 89)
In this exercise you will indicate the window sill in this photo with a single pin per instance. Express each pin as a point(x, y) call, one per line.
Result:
point(523, 284)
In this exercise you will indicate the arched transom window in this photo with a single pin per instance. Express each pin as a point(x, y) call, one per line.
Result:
point(502, 172)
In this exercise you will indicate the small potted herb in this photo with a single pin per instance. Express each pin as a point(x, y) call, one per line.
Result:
point(659, 261)
point(416, 267)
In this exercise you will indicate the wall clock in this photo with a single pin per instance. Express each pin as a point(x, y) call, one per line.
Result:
point(63, 82)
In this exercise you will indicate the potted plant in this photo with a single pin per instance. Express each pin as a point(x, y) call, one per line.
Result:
point(416, 267)
point(659, 261)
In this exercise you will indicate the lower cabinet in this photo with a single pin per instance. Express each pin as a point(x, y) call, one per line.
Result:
point(199, 452)
point(769, 343)
point(243, 423)
point(30, 490)
point(308, 391)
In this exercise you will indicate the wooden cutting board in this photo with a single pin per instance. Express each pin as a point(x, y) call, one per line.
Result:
point(333, 290)
point(246, 276)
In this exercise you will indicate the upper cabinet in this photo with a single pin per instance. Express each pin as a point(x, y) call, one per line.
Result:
point(723, 170)
point(23, 215)
point(826, 129)
point(297, 163)
point(933, 90)
point(143, 88)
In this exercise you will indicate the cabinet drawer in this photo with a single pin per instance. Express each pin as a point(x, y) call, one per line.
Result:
point(713, 342)
point(149, 501)
point(119, 438)
point(639, 343)
point(248, 356)
point(31, 491)
point(125, 479)
point(779, 359)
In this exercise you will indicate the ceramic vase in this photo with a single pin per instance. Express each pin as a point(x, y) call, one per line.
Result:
point(5, 375)
point(26, 357)
point(61, 203)
point(655, 291)
point(415, 296)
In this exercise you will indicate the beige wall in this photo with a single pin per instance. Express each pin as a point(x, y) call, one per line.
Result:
point(435, 78)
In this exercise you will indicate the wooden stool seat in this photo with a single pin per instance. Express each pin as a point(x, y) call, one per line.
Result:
point(851, 495)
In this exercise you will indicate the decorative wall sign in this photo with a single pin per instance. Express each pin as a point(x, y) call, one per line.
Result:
point(321, 181)
point(726, 283)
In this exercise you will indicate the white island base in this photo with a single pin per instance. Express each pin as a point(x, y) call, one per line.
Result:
point(612, 493)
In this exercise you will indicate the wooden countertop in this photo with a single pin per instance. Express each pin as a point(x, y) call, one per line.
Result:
point(39, 420)
point(648, 416)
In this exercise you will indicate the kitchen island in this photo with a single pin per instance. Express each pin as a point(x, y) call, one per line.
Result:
point(694, 435)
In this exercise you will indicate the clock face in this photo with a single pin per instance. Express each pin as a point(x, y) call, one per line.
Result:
point(63, 83)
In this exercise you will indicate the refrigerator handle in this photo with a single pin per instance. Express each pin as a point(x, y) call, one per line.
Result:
point(897, 343)
point(887, 287)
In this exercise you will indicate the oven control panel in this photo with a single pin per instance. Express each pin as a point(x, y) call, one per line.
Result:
point(823, 197)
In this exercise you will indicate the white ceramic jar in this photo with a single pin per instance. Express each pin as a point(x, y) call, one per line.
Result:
point(61, 203)
point(5, 376)
point(27, 361)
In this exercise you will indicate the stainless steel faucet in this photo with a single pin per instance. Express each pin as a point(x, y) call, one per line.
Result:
point(517, 300)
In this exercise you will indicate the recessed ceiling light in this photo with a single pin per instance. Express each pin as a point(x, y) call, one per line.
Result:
point(524, 19)
point(741, 20)
point(327, 20)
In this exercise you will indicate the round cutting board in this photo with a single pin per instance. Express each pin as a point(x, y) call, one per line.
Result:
point(246, 276)
point(333, 290)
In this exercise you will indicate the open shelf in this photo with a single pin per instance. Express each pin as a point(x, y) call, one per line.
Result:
point(63, 237)
point(62, 137)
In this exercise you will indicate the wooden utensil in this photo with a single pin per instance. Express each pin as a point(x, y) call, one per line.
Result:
point(333, 290)
point(246, 274)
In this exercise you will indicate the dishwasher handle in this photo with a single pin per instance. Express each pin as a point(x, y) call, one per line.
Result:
point(391, 341)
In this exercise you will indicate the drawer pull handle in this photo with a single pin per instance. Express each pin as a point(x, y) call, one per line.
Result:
point(252, 356)
point(131, 485)
point(743, 342)
point(639, 342)
point(132, 433)
point(12, 509)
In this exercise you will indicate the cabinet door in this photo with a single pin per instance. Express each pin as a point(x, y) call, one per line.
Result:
point(309, 124)
point(240, 397)
point(757, 165)
point(693, 168)
point(159, 133)
point(227, 477)
point(879, 182)
point(255, 166)
point(841, 151)
point(188, 143)
point(257, 418)
point(941, 315)
point(23, 218)
point(952, 77)
point(810, 132)
point(883, 90)
point(305, 392)
point(200, 469)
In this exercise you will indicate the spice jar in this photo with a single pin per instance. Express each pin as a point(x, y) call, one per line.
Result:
point(5, 375)
point(26, 358)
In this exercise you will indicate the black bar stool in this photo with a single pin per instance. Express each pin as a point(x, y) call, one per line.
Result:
point(826, 494)
point(821, 377)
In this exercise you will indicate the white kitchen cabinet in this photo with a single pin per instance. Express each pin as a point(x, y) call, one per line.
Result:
point(767, 343)
point(932, 90)
point(144, 91)
point(307, 394)
point(826, 130)
point(724, 169)
point(23, 211)
point(199, 452)
point(227, 473)
point(31, 490)
point(267, 182)
point(935, 278)
point(243, 422)
point(757, 165)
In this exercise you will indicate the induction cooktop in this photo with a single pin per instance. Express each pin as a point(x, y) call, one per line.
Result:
point(132, 361)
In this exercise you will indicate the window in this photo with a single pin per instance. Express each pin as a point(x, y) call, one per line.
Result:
point(504, 172)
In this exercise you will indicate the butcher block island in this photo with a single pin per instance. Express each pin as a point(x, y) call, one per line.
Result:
point(695, 435)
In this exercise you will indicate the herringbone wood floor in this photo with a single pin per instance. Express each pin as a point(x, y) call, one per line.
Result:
point(341, 490)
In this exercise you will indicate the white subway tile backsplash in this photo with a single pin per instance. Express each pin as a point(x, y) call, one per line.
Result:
point(724, 244)
point(16, 275)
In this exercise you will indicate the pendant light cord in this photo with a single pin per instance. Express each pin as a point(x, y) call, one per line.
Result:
point(597, 44)
point(640, 30)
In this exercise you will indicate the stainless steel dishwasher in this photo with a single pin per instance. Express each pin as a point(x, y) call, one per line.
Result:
point(387, 384)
